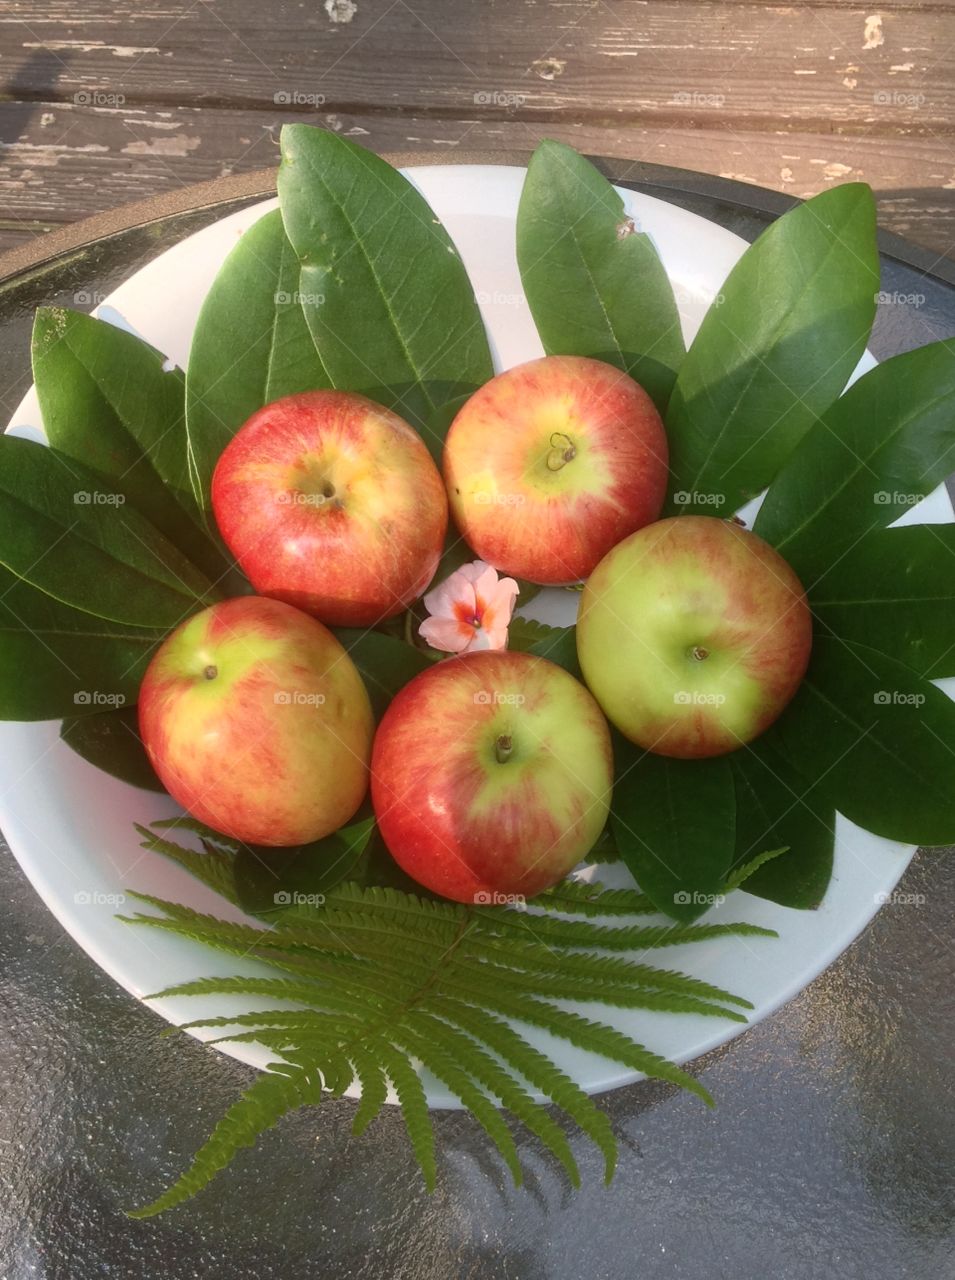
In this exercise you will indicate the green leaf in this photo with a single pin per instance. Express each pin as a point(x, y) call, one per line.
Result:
point(877, 740)
point(559, 644)
point(251, 346)
point(385, 663)
point(66, 532)
point(674, 823)
point(110, 740)
point(387, 298)
point(895, 590)
point(594, 282)
point(270, 880)
point(58, 661)
point(774, 350)
point(776, 807)
point(875, 452)
point(272, 1095)
point(109, 401)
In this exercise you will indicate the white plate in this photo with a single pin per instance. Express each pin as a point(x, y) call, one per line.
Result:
point(71, 826)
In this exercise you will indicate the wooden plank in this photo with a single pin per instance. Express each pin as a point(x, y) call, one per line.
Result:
point(669, 61)
point(66, 162)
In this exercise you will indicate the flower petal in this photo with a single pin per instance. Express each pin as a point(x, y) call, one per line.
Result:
point(446, 634)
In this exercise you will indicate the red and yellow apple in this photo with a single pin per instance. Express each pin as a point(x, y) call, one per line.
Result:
point(332, 503)
point(693, 635)
point(257, 722)
point(491, 776)
point(550, 464)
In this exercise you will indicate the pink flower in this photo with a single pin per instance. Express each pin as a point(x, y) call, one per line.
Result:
point(470, 610)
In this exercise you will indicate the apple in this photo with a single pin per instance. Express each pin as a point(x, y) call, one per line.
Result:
point(332, 503)
point(491, 776)
point(550, 464)
point(257, 722)
point(693, 635)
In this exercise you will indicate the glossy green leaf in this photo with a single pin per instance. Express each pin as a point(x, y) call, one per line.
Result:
point(56, 661)
point(68, 533)
point(594, 282)
point(775, 349)
point(777, 808)
point(674, 822)
point(895, 590)
point(386, 296)
point(877, 739)
point(251, 345)
point(110, 741)
point(558, 644)
point(385, 662)
point(109, 401)
point(272, 881)
point(886, 443)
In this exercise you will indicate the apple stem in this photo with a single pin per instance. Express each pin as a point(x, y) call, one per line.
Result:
point(211, 672)
point(503, 748)
point(699, 653)
point(563, 450)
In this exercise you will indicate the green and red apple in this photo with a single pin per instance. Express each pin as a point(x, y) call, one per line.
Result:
point(552, 463)
point(491, 776)
point(332, 503)
point(693, 635)
point(257, 722)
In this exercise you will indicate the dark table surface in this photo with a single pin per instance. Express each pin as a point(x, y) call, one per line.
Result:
point(830, 1153)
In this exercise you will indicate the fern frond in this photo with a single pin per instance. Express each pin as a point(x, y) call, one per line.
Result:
point(272, 1095)
point(374, 1088)
point(581, 897)
point(746, 869)
point(213, 868)
point(414, 1108)
point(538, 1070)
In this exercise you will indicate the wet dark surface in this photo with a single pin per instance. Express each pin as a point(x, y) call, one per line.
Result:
point(830, 1153)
